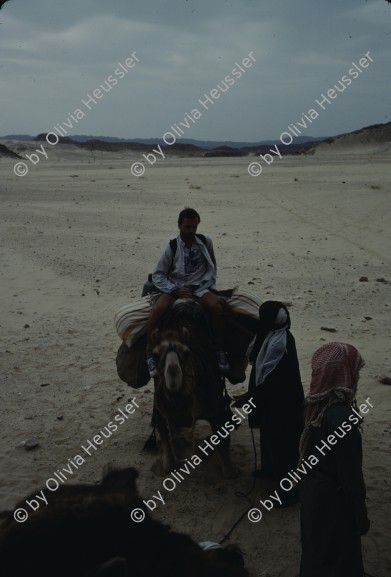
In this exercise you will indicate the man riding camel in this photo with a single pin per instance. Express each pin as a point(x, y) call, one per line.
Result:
point(187, 269)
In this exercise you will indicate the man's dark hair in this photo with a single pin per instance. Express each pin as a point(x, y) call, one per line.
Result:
point(188, 213)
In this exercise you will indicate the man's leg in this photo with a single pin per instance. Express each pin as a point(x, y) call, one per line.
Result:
point(211, 303)
point(162, 305)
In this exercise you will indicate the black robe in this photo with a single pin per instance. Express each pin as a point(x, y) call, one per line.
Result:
point(279, 413)
point(332, 498)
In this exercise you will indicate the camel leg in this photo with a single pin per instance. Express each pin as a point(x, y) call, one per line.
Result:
point(167, 454)
point(223, 452)
point(228, 469)
point(166, 449)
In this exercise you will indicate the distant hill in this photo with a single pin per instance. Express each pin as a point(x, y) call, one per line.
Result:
point(24, 137)
point(182, 147)
point(376, 135)
point(206, 144)
point(6, 152)
point(210, 144)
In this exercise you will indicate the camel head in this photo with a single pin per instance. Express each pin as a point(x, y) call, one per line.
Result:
point(172, 356)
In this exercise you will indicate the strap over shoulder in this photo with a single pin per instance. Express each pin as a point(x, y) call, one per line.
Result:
point(174, 243)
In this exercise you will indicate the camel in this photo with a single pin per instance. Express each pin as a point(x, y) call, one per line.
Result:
point(188, 386)
point(87, 531)
point(240, 322)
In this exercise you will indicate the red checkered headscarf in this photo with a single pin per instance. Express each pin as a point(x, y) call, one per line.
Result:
point(335, 369)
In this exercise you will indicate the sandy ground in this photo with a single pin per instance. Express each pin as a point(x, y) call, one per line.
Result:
point(79, 236)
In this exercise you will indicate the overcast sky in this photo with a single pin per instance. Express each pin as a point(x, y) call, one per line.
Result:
point(53, 53)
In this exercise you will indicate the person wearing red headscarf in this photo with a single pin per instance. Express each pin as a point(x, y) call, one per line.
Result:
point(333, 513)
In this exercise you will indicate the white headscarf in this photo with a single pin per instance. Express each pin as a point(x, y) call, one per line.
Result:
point(272, 350)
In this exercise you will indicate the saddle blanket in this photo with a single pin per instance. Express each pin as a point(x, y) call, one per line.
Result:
point(131, 320)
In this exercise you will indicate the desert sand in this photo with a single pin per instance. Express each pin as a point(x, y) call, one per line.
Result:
point(79, 236)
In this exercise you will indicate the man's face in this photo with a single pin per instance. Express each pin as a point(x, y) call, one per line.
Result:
point(188, 228)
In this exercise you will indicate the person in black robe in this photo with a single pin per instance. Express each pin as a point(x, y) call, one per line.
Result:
point(275, 385)
point(332, 493)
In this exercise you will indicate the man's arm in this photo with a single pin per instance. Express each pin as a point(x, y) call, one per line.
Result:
point(160, 274)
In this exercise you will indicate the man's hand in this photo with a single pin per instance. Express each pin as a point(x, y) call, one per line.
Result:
point(183, 293)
